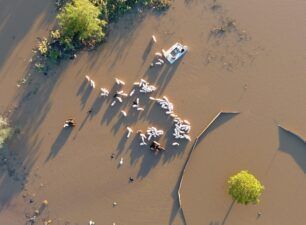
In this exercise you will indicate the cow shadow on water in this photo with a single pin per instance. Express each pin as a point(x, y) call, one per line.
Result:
point(150, 159)
point(162, 75)
point(59, 142)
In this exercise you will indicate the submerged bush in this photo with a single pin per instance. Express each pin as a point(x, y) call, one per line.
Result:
point(79, 21)
point(245, 188)
point(160, 4)
point(112, 9)
point(5, 131)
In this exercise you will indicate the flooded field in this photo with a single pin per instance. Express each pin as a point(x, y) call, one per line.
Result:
point(243, 56)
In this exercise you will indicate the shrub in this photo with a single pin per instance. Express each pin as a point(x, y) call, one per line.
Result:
point(245, 188)
point(82, 23)
point(55, 34)
point(160, 4)
point(54, 54)
point(79, 21)
point(39, 67)
point(5, 131)
point(112, 9)
point(43, 46)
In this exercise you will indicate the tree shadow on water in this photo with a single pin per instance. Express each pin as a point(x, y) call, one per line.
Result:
point(14, 170)
point(12, 13)
point(228, 213)
point(32, 107)
point(119, 40)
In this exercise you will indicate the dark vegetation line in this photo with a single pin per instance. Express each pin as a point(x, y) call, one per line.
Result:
point(84, 24)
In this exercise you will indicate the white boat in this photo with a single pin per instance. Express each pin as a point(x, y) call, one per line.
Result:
point(175, 52)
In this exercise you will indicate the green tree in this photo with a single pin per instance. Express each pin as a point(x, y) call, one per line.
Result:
point(79, 20)
point(245, 188)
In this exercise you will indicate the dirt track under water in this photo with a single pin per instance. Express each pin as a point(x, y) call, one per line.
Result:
point(256, 66)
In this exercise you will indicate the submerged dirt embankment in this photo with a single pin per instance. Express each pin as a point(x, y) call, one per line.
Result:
point(273, 95)
point(238, 60)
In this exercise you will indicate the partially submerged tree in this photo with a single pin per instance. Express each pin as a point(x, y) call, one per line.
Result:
point(245, 188)
point(79, 21)
point(83, 23)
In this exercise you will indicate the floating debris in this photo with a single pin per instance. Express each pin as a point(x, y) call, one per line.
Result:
point(45, 202)
point(175, 144)
point(115, 204)
point(91, 222)
point(32, 220)
point(48, 222)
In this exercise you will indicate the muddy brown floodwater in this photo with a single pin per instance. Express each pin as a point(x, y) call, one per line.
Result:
point(246, 56)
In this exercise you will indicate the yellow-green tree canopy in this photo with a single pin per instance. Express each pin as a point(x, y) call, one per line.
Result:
point(245, 188)
point(80, 20)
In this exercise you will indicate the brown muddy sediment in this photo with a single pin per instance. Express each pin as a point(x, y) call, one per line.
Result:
point(256, 66)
